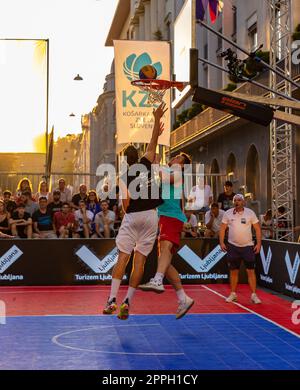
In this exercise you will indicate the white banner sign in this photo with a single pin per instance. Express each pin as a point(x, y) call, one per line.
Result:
point(133, 113)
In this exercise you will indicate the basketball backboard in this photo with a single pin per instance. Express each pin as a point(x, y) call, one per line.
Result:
point(184, 40)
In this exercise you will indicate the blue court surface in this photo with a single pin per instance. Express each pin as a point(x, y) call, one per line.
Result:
point(152, 342)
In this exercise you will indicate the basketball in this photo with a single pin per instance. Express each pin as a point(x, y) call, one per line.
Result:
point(148, 72)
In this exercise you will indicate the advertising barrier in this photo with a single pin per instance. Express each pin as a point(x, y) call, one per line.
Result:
point(71, 262)
point(278, 267)
point(80, 262)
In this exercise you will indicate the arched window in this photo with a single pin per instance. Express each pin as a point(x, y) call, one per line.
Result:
point(231, 164)
point(253, 171)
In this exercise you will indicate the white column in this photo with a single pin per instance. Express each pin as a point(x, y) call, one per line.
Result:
point(148, 34)
point(142, 27)
point(153, 11)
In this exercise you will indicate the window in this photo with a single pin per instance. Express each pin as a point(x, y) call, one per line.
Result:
point(253, 38)
point(205, 51)
point(234, 23)
point(220, 41)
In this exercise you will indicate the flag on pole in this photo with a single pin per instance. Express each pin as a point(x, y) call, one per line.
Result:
point(215, 7)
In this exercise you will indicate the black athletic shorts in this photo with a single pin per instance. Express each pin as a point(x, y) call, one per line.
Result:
point(236, 254)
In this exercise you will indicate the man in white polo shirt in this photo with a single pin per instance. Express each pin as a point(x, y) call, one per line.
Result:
point(240, 245)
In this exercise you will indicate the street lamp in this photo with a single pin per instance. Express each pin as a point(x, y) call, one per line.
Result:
point(72, 114)
point(78, 78)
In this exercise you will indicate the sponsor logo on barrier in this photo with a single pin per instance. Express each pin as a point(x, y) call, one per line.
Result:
point(266, 262)
point(296, 313)
point(198, 264)
point(292, 269)
point(97, 265)
point(2, 313)
point(9, 258)
point(293, 272)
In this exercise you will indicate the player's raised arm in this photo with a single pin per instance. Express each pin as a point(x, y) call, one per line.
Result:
point(157, 130)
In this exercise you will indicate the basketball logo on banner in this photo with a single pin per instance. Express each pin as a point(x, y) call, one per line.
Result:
point(134, 117)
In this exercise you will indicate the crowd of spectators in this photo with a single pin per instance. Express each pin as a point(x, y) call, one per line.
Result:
point(86, 214)
point(58, 213)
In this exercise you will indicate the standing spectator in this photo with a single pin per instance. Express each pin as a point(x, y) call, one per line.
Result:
point(30, 205)
point(43, 191)
point(240, 245)
point(65, 193)
point(104, 221)
point(213, 221)
point(225, 199)
point(10, 205)
point(83, 219)
point(81, 195)
point(21, 223)
point(63, 221)
point(56, 204)
point(42, 221)
point(266, 221)
point(23, 185)
point(4, 219)
point(94, 206)
point(191, 225)
point(200, 197)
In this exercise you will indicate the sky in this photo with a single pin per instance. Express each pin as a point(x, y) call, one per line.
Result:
point(77, 30)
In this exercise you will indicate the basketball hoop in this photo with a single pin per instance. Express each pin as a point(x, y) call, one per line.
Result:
point(156, 89)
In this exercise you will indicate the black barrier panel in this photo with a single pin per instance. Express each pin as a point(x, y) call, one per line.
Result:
point(278, 267)
point(254, 112)
point(71, 262)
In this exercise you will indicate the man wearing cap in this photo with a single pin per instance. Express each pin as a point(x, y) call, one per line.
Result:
point(239, 220)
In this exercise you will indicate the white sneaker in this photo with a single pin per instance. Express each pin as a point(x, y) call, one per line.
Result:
point(184, 307)
point(255, 299)
point(153, 285)
point(231, 298)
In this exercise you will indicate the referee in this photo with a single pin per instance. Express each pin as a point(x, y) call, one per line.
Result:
point(239, 220)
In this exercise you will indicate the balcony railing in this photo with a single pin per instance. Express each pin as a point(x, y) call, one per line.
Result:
point(211, 119)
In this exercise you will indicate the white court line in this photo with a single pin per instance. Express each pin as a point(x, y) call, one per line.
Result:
point(55, 341)
point(105, 315)
point(75, 291)
point(254, 312)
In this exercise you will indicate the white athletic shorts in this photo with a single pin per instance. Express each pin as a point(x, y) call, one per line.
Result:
point(138, 232)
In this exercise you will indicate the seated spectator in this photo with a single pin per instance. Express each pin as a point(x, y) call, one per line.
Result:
point(30, 205)
point(190, 227)
point(21, 223)
point(200, 197)
point(104, 221)
point(65, 193)
point(56, 204)
point(42, 221)
point(4, 219)
point(83, 220)
point(213, 221)
point(63, 222)
point(266, 222)
point(10, 205)
point(282, 223)
point(23, 185)
point(43, 191)
point(3, 235)
point(94, 206)
point(225, 199)
point(111, 195)
point(81, 195)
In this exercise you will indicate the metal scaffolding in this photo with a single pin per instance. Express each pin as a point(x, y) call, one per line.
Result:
point(281, 134)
